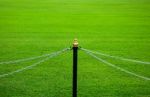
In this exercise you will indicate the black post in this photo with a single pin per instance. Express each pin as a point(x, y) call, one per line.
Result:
point(75, 61)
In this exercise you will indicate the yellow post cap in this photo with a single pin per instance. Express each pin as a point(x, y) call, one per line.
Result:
point(75, 43)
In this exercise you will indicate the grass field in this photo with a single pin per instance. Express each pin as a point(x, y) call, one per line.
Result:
point(35, 27)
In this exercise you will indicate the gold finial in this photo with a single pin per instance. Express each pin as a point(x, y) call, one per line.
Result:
point(75, 43)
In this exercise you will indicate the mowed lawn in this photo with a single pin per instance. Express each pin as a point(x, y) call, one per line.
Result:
point(35, 27)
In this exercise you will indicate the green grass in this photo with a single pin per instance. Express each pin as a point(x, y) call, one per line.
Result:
point(36, 27)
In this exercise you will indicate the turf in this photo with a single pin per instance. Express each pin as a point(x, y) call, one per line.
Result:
point(36, 27)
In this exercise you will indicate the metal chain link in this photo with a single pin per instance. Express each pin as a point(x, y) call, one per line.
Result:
point(116, 57)
point(35, 64)
point(117, 67)
point(27, 59)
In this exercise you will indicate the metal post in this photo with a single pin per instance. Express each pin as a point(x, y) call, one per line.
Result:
point(75, 59)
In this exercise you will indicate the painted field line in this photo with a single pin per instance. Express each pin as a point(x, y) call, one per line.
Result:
point(119, 68)
point(33, 65)
point(116, 57)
